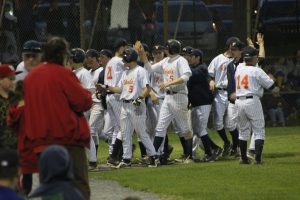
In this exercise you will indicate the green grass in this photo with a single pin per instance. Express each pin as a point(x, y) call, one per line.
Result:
point(278, 178)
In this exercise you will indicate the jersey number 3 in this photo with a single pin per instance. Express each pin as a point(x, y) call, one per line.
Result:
point(109, 73)
point(244, 81)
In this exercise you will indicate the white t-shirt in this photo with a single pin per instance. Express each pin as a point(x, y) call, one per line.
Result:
point(172, 68)
point(85, 78)
point(251, 80)
point(133, 82)
point(218, 70)
point(21, 68)
point(113, 71)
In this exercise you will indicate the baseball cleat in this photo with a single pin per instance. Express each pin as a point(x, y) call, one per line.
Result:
point(154, 161)
point(245, 162)
point(217, 152)
point(227, 148)
point(251, 154)
point(123, 164)
point(112, 163)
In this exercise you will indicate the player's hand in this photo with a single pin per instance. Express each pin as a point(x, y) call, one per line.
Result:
point(232, 97)
point(163, 86)
point(260, 39)
point(137, 101)
point(212, 85)
point(154, 99)
point(98, 94)
point(249, 42)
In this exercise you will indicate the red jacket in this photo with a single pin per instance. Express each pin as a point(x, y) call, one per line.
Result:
point(55, 102)
point(28, 159)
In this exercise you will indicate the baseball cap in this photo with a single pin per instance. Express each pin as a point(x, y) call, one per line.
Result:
point(187, 50)
point(231, 40)
point(7, 70)
point(32, 47)
point(158, 48)
point(197, 52)
point(92, 53)
point(249, 52)
point(9, 158)
point(106, 52)
point(120, 43)
point(146, 47)
point(237, 45)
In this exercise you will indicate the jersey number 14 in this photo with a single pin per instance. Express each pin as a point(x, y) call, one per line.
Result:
point(244, 82)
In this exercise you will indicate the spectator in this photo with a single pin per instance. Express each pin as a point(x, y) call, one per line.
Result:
point(293, 78)
point(275, 108)
point(56, 175)
point(9, 167)
point(28, 159)
point(55, 102)
point(7, 83)
point(31, 56)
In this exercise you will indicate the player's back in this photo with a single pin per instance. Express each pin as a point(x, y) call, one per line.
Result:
point(113, 71)
point(251, 81)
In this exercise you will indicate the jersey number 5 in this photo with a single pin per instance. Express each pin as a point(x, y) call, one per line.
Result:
point(109, 73)
point(244, 81)
point(130, 89)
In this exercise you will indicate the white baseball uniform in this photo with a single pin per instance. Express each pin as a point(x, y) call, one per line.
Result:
point(217, 69)
point(112, 76)
point(86, 81)
point(133, 117)
point(250, 82)
point(175, 103)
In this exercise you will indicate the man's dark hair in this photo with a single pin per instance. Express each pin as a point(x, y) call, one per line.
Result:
point(55, 50)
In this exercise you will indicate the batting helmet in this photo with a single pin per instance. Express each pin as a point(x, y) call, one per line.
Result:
point(77, 55)
point(130, 55)
point(173, 46)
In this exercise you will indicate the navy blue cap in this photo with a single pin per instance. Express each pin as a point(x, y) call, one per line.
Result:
point(106, 52)
point(197, 52)
point(32, 47)
point(92, 53)
point(249, 52)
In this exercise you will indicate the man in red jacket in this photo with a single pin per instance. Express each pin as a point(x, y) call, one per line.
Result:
point(55, 102)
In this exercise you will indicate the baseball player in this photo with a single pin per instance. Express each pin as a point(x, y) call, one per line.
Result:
point(112, 75)
point(96, 118)
point(200, 100)
point(76, 61)
point(176, 72)
point(250, 81)
point(217, 70)
point(133, 87)
point(154, 102)
point(236, 49)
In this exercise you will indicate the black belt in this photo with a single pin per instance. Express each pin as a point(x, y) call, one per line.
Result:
point(171, 92)
point(247, 97)
point(109, 92)
point(127, 101)
point(224, 89)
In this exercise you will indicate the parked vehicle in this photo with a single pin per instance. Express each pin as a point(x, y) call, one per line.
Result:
point(195, 27)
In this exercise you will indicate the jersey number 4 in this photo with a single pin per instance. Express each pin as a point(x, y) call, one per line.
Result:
point(109, 73)
point(244, 81)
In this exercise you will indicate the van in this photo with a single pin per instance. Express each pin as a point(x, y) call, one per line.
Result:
point(195, 27)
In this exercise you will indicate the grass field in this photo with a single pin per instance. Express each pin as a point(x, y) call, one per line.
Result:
point(278, 178)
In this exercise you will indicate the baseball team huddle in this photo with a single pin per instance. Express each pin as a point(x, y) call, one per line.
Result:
point(74, 98)
point(175, 86)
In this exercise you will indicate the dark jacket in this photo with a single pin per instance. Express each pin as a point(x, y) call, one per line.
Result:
point(231, 68)
point(56, 175)
point(198, 87)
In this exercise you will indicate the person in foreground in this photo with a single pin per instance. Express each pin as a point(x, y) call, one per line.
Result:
point(56, 175)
